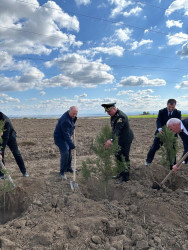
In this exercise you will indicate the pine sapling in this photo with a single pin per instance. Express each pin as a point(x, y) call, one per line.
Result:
point(104, 166)
point(169, 147)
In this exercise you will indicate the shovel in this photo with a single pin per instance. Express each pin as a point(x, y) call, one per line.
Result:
point(2, 166)
point(157, 185)
point(73, 183)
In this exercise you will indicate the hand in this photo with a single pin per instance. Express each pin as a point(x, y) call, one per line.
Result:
point(107, 144)
point(0, 157)
point(1, 133)
point(161, 131)
point(175, 168)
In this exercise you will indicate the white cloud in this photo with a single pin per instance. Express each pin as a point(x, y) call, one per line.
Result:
point(35, 29)
point(141, 81)
point(133, 12)
point(182, 85)
point(123, 34)
point(112, 51)
point(42, 93)
point(177, 38)
point(120, 5)
point(7, 99)
point(30, 78)
point(110, 90)
point(143, 42)
point(184, 51)
point(177, 5)
point(171, 23)
point(84, 2)
point(79, 71)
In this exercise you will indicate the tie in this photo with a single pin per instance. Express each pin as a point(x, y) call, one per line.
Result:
point(170, 114)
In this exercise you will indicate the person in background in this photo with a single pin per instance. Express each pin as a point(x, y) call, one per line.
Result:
point(62, 138)
point(120, 128)
point(9, 139)
point(163, 116)
point(181, 128)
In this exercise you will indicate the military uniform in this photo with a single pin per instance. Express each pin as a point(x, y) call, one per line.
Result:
point(121, 129)
point(9, 138)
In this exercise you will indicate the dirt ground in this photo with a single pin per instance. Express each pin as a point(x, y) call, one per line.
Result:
point(42, 212)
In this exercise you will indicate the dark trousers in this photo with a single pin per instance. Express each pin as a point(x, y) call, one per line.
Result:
point(124, 154)
point(153, 149)
point(12, 144)
point(156, 145)
point(65, 160)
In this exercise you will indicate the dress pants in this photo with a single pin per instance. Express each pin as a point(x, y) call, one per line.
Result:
point(12, 144)
point(65, 160)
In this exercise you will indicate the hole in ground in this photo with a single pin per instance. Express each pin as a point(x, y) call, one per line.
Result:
point(177, 182)
point(13, 204)
point(95, 190)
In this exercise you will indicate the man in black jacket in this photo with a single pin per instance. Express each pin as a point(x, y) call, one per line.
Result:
point(120, 128)
point(163, 116)
point(9, 138)
point(181, 128)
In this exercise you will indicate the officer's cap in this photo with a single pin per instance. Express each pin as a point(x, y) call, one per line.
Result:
point(108, 106)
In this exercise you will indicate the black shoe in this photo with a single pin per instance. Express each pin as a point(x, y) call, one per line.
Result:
point(121, 181)
point(70, 170)
point(2, 177)
point(125, 178)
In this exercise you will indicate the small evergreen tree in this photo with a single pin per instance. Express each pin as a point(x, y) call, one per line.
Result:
point(169, 146)
point(104, 165)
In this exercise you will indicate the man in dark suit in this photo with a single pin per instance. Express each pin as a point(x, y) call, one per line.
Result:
point(163, 116)
point(62, 138)
point(181, 128)
point(9, 138)
point(120, 128)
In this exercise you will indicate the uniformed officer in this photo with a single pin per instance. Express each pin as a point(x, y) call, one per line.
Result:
point(9, 138)
point(120, 128)
point(62, 138)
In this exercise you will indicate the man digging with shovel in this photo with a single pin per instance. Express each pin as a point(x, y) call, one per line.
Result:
point(181, 128)
point(62, 138)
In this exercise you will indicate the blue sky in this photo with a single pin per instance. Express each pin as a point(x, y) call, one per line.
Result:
point(55, 54)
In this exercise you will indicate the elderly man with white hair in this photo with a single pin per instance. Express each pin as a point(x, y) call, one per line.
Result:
point(181, 128)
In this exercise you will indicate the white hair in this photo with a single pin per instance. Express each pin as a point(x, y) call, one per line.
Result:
point(173, 121)
point(73, 108)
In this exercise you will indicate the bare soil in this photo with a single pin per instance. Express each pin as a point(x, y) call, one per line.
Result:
point(42, 212)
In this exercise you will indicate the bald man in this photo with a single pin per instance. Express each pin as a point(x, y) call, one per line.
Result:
point(181, 128)
point(62, 138)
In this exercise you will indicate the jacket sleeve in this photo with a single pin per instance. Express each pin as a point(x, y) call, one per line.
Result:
point(5, 136)
point(66, 131)
point(185, 145)
point(179, 115)
point(159, 119)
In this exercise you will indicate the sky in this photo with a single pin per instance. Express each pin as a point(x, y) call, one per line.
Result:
point(57, 54)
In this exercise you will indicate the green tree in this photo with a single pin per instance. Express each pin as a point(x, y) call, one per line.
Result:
point(104, 165)
point(169, 147)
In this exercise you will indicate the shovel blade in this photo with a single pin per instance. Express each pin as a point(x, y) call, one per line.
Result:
point(73, 185)
point(156, 185)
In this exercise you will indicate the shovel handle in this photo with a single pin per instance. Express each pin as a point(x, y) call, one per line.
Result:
point(2, 166)
point(74, 168)
point(171, 171)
